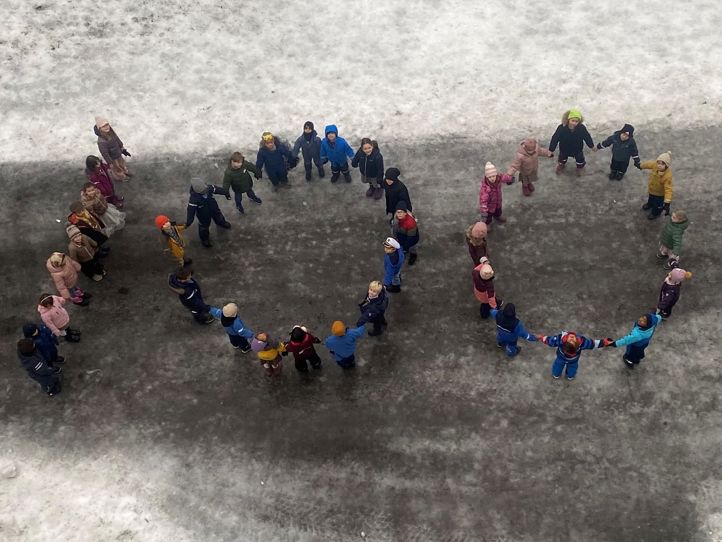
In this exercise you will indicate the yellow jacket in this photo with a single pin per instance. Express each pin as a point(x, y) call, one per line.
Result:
point(271, 354)
point(660, 184)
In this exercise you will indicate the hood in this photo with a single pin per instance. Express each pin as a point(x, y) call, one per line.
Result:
point(628, 128)
point(680, 225)
point(528, 142)
point(331, 128)
point(52, 269)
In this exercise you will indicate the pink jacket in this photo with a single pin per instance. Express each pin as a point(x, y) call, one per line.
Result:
point(64, 277)
point(490, 193)
point(527, 162)
point(55, 317)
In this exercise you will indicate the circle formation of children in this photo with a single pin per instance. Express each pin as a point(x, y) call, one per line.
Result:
point(99, 213)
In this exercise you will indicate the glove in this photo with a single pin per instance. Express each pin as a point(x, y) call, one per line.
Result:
point(228, 197)
point(609, 342)
point(637, 164)
point(258, 175)
point(292, 163)
point(125, 152)
point(666, 209)
point(316, 340)
point(539, 337)
point(551, 156)
point(284, 354)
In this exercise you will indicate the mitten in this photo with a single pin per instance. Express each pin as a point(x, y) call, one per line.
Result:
point(228, 196)
point(609, 342)
point(666, 209)
point(258, 175)
point(637, 164)
point(316, 340)
point(125, 152)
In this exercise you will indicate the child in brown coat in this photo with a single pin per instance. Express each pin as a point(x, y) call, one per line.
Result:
point(526, 163)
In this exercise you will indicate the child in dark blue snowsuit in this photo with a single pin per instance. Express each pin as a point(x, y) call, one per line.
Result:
point(336, 150)
point(310, 145)
point(509, 329)
point(623, 148)
point(38, 367)
point(276, 157)
point(202, 204)
point(45, 341)
point(571, 135)
point(638, 339)
point(189, 293)
point(238, 332)
point(373, 308)
point(569, 347)
point(393, 262)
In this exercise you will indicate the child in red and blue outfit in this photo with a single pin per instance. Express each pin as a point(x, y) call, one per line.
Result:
point(569, 347)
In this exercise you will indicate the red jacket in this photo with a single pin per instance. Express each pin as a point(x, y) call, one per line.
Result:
point(483, 288)
point(304, 349)
point(490, 193)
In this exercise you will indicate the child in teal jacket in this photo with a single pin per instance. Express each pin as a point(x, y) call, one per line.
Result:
point(638, 339)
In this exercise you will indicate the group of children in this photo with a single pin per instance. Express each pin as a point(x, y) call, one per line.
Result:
point(99, 212)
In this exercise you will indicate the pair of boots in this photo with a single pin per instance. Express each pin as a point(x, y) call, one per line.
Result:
point(72, 336)
point(616, 175)
point(81, 298)
point(378, 327)
point(375, 192)
point(321, 172)
point(346, 176)
point(527, 189)
point(560, 169)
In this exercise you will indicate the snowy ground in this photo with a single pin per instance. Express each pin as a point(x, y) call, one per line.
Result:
point(163, 433)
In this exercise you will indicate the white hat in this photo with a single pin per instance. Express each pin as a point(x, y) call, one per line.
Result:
point(391, 242)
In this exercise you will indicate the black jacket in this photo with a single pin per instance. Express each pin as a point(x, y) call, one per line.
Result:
point(38, 369)
point(370, 166)
point(571, 142)
point(395, 193)
point(311, 148)
point(373, 309)
point(191, 298)
point(204, 206)
point(622, 151)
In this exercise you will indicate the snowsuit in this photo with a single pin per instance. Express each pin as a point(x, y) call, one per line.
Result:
point(490, 197)
point(337, 153)
point(175, 242)
point(622, 151)
point(310, 147)
point(191, 298)
point(205, 207)
point(372, 312)
point(343, 347)
point(484, 292)
point(507, 335)
point(238, 332)
point(406, 232)
point(270, 358)
point(46, 343)
point(370, 166)
point(277, 162)
point(670, 244)
point(241, 181)
point(40, 370)
point(392, 268)
point(111, 149)
point(526, 163)
point(568, 362)
point(637, 340)
point(304, 353)
point(101, 179)
point(396, 192)
point(659, 187)
point(571, 143)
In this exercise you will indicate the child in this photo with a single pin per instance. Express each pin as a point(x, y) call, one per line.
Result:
point(373, 308)
point(370, 162)
point(310, 144)
point(189, 293)
point(395, 191)
point(94, 202)
point(659, 185)
point(171, 236)
point(490, 194)
point(571, 135)
point(112, 149)
point(393, 262)
point(38, 368)
point(238, 332)
point(269, 353)
point(509, 329)
point(88, 223)
point(670, 291)
point(64, 272)
point(569, 347)
point(276, 157)
point(97, 173)
point(335, 149)
point(476, 242)
point(53, 314)
point(483, 279)
point(406, 231)
point(637, 339)
point(45, 341)
point(202, 204)
point(670, 244)
point(84, 250)
point(238, 176)
point(301, 346)
point(623, 148)
point(526, 163)
point(342, 343)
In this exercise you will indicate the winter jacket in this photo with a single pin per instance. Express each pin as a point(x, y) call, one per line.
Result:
point(370, 166)
point(526, 162)
point(39, 370)
point(672, 235)
point(345, 345)
point(97, 204)
point(241, 179)
point(271, 355)
point(557, 341)
point(477, 252)
point(668, 296)
point(191, 298)
point(373, 309)
point(64, 277)
point(55, 317)
point(490, 193)
point(622, 151)
point(659, 184)
point(393, 265)
point(111, 148)
point(571, 142)
point(276, 161)
point(406, 231)
point(396, 192)
point(101, 179)
point(87, 220)
point(336, 152)
point(232, 325)
point(85, 252)
point(483, 288)
point(46, 343)
point(640, 337)
point(310, 146)
point(175, 242)
point(505, 336)
point(203, 205)
point(304, 349)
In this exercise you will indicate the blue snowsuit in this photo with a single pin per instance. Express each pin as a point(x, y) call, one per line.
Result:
point(205, 207)
point(337, 152)
point(570, 362)
point(638, 339)
point(392, 271)
point(508, 337)
point(46, 343)
point(191, 298)
point(343, 347)
point(276, 162)
point(237, 331)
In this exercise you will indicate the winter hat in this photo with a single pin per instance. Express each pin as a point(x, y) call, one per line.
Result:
point(650, 321)
point(338, 328)
point(258, 346)
point(570, 343)
point(198, 185)
point(628, 129)
point(101, 121)
point(29, 329)
point(401, 206)
point(486, 272)
point(678, 275)
point(490, 170)
point(392, 173)
point(56, 259)
point(331, 129)
point(574, 114)
point(479, 230)
point(391, 242)
point(298, 333)
point(308, 124)
point(72, 231)
point(76, 207)
point(161, 221)
point(665, 157)
point(230, 310)
point(529, 144)
point(267, 136)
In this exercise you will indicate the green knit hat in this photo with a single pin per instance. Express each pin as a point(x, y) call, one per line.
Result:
point(574, 114)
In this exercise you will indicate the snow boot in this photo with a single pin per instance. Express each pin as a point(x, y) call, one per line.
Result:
point(620, 175)
point(347, 176)
point(412, 258)
point(371, 191)
point(334, 176)
point(379, 192)
point(500, 219)
point(612, 175)
point(580, 171)
point(560, 168)
point(321, 172)
point(525, 190)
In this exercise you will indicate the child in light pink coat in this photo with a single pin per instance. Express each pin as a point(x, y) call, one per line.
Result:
point(490, 194)
point(526, 162)
point(53, 313)
point(64, 272)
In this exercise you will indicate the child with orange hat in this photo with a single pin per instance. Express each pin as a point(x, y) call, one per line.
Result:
point(670, 291)
point(342, 343)
point(569, 347)
point(490, 194)
point(173, 239)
